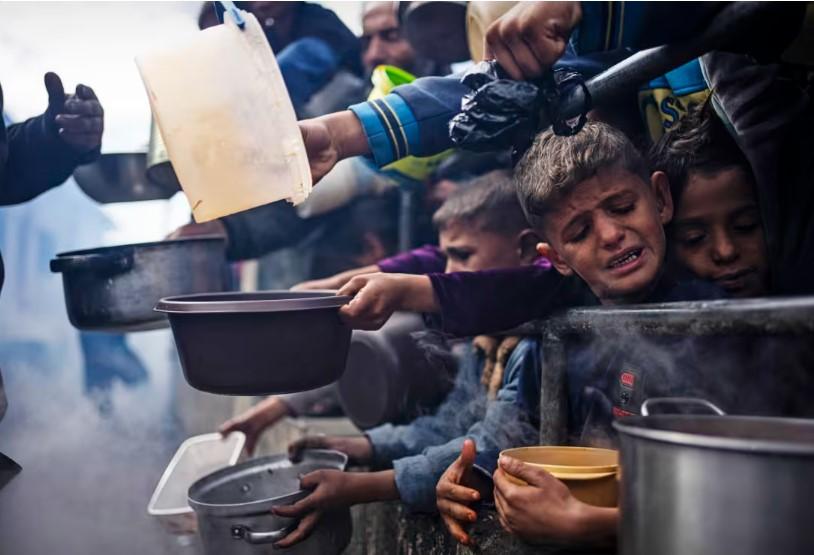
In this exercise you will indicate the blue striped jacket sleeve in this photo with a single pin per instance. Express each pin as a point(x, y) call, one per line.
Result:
point(412, 120)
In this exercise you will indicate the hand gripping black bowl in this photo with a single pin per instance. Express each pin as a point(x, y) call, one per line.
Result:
point(259, 343)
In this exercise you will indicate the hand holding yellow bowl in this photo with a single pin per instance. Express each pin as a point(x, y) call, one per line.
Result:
point(590, 473)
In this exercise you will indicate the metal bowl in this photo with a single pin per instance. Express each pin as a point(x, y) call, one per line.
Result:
point(233, 506)
point(259, 343)
point(122, 177)
point(115, 288)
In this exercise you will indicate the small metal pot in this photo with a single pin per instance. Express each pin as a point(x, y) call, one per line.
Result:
point(233, 506)
point(259, 343)
point(708, 485)
point(116, 288)
point(121, 177)
point(388, 377)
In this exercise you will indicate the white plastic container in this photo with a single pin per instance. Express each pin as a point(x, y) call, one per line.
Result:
point(197, 457)
point(228, 123)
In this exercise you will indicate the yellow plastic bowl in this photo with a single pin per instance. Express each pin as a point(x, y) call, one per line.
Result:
point(590, 473)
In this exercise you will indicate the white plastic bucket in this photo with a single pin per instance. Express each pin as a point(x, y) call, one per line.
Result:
point(227, 121)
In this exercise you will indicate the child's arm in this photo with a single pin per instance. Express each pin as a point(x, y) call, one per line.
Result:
point(421, 260)
point(544, 509)
point(252, 422)
point(333, 489)
point(453, 417)
point(378, 296)
point(356, 447)
point(467, 303)
point(337, 281)
point(474, 303)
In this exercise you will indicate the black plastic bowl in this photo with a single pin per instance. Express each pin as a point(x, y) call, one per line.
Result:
point(259, 343)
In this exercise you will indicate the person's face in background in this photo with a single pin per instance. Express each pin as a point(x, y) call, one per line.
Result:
point(382, 40)
point(717, 232)
point(469, 248)
point(276, 18)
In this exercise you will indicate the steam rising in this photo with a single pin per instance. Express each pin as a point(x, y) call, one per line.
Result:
point(746, 374)
point(86, 478)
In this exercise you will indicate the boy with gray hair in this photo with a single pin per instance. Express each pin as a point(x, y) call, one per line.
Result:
point(602, 215)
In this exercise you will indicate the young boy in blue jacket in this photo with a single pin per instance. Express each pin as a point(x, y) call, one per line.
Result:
point(496, 394)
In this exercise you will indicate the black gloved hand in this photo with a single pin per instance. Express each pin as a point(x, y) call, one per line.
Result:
point(78, 119)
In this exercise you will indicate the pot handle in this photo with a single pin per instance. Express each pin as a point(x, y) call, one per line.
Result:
point(679, 401)
point(115, 263)
point(242, 532)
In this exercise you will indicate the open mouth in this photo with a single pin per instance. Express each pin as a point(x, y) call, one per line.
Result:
point(625, 259)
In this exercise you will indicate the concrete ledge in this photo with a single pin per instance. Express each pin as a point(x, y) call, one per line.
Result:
point(387, 528)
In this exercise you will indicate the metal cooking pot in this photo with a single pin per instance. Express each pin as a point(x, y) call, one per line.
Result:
point(259, 343)
point(233, 506)
point(388, 377)
point(116, 288)
point(120, 177)
point(707, 485)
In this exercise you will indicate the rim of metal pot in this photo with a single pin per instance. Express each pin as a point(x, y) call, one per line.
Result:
point(258, 504)
point(629, 425)
point(198, 303)
point(102, 250)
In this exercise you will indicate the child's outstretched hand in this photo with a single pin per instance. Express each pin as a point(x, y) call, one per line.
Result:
point(332, 489)
point(453, 499)
point(377, 296)
point(357, 448)
point(545, 510)
point(255, 420)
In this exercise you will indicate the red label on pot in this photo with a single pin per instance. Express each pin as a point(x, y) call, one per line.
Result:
point(622, 412)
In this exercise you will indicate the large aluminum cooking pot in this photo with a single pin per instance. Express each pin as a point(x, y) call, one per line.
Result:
point(259, 343)
point(116, 288)
point(707, 485)
point(233, 506)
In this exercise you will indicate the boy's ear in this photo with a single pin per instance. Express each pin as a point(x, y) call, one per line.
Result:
point(660, 185)
point(527, 241)
point(545, 249)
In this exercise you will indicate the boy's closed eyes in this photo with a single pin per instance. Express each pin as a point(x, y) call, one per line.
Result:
point(618, 204)
point(718, 232)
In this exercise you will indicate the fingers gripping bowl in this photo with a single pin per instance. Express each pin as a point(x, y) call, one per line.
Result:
point(590, 473)
point(259, 343)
